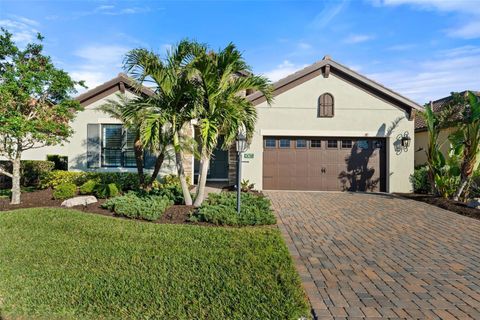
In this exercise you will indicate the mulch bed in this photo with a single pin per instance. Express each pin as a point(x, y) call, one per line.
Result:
point(177, 214)
point(447, 204)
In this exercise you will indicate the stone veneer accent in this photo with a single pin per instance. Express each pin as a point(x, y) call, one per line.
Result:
point(232, 165)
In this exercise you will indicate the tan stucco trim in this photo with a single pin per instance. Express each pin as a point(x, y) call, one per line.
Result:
point(327, 67)
point(120, 83)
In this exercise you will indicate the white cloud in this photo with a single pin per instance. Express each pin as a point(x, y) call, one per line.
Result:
point(282, 70)
point(328, 13)
point(401, 47)
point(469, 10)
point(470, 30)
point(448, 70)
point(358, 38)
point(98, 63)
point(23, 29)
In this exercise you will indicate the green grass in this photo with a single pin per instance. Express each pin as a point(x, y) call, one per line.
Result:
point(65, 264)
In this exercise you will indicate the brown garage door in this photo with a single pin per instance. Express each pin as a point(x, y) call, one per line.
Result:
point(329, 164)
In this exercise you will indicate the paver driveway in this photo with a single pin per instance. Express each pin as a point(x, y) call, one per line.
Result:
point(378, 256)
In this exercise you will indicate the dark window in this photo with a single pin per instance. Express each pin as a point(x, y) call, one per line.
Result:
point(128, 153)
point(117, 146)
point(325, 106)
point(315, 143)
point(270, 143)
point(112, 145)
point(284, 143)
point(301, 143)
point(347, 144)
point(332, 144)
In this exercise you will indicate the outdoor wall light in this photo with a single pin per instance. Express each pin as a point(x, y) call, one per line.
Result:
point(406, 140)
point(241, 143)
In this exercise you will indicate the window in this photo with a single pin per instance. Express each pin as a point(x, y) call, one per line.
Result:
point(117, 146)
point(315, 143)
point(112, 145)
point(270, 143)
point(325, 106)
point(301, 143)
point(347, 144)
point(332, 144)
point(128, 153)
point(284, 143)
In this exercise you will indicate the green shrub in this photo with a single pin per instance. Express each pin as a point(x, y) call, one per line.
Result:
point(64, 191)
point(138, 205)
point(31, 171)
point(61, 162)
point(171, 188)
point(106, 190)
point(124, 180)
point(88, 187)
point(419, 180)
point(220, 209)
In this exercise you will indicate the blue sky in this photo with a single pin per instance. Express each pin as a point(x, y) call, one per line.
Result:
point(423, 49)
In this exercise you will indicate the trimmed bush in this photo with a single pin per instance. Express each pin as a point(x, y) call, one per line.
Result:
point(61, 162)
point(139, 205)
point(31, 171)
point(419, 180)
point(34, 170)
point(88, 187)
point(124, 180)
point(170, 187)
point(220, 209)
point(64, 191)
point(104, 190)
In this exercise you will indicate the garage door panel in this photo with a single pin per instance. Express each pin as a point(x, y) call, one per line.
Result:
point(353, 164)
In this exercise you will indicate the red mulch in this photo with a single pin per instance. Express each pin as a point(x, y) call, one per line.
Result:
point(447, 204)
point(177, 214)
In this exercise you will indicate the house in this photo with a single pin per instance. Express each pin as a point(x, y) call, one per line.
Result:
point(421, 134)
point(329, 128)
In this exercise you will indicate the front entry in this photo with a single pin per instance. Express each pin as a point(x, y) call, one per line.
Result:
point(325, 164)
point(218, 169)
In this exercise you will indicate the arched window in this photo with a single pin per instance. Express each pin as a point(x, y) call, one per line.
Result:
point(325, 106)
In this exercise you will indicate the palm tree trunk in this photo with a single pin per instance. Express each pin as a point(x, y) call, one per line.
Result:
point(156, 170)
point(459, 192)
point(16, 191)
point(138, 150)
point(181, 170)
point(202, 180)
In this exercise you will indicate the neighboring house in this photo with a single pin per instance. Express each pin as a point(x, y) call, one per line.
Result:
point(329, 128)
point(421, 134)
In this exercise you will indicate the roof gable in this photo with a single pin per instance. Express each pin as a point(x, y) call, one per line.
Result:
point(327, 66)
point(120, 83)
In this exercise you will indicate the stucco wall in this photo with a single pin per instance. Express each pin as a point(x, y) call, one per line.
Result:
point(421, 144)
point(357, 114)
point(76, 148)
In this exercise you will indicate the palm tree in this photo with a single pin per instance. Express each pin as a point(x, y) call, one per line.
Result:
point(223, 78)
point(467, 139)
point(173, 104)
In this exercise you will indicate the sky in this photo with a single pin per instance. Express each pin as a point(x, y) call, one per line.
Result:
point(423, 49)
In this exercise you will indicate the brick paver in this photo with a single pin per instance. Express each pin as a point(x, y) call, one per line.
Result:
point(380, 256)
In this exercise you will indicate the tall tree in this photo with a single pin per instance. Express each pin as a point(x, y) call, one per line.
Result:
point(35, 103)
point(223, 78)
point(176, 95)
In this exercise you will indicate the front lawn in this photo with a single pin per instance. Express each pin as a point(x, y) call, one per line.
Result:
point(57, 263)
